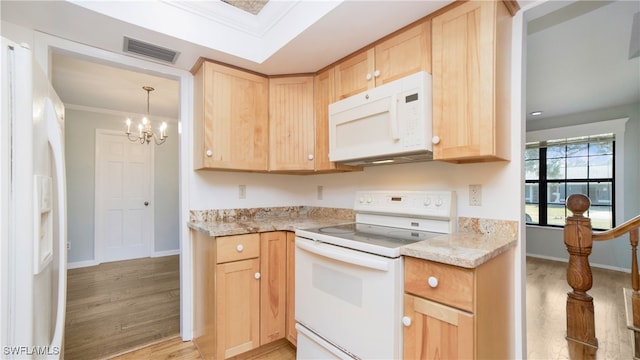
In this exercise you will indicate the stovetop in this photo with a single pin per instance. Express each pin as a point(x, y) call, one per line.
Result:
point(379, 240)
point(389, 220)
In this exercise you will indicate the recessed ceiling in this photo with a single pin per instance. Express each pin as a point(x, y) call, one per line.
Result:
point(578, 58)
point(250, 6)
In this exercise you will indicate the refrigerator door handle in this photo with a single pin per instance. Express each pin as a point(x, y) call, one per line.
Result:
point(55, 141)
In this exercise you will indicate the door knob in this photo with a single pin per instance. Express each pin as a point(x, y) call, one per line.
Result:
point(146, 203)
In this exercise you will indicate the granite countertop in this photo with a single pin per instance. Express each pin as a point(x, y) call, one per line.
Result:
point(466, 250)
point(263, 225)
point(476, 241)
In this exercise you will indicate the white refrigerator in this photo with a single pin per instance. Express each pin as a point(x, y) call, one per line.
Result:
point(33, 253)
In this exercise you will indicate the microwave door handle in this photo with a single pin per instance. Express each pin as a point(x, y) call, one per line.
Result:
point(393, 117)
point(346, 256)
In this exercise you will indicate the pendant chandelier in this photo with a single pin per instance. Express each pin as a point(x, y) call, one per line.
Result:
point(144, 128)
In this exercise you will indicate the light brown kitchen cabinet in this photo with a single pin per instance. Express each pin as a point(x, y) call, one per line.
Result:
point(239, 292)
point(403, 53)
point(471, 93)
point(436, 331)
point(237, 307)
point(291, 124)
point(452, 312)
point(273, 287)
point(291, 332)
point(231, 122)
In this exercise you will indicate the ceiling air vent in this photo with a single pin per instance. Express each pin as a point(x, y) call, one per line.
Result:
point(149, 50)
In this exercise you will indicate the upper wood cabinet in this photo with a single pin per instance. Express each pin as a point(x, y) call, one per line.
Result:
point(402, 54)
point(230, 119)
point(471, 94)
point(291, 127)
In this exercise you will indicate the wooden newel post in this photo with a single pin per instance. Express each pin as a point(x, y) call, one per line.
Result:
point(578, 239)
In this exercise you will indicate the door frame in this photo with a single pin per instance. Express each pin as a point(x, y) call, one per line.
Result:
point(99, 246)
point(45, 44)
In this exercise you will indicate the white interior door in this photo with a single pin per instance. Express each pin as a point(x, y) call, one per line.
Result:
point(124, 191)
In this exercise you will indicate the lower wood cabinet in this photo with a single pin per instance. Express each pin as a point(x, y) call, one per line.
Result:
point(240, 292)
point(458, 313)
point(291, 333)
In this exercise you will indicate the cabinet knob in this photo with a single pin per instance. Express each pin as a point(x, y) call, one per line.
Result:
point(406, 321)
point(310, 156)
point(433, 281)
point(369, 77)
point(256, 275)
point(376, 73)
point(435, 139)
point(209, 153)
point(239, 247)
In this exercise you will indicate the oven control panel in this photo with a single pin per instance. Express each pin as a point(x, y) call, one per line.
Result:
point(427, 204)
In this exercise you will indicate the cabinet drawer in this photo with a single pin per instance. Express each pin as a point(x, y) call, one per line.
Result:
point(237, 247)
point(455, 285)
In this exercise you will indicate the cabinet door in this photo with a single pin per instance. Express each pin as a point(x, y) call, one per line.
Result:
point(355, 74)
point(404, 54)
point(234, 127)
point(273, 301)
point(436, 331)
point(291, 124)
point(291, 332)
point(324, 95)
point(237, 307)
point(464, 79)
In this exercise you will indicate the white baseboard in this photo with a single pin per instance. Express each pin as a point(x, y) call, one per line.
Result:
point(81, 264)
point(595, 265)
point(87, 263)
point(165, 253)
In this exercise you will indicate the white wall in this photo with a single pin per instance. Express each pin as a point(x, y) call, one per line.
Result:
point(216, 189)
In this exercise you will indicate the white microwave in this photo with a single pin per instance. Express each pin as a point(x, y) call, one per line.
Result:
point(389, 123)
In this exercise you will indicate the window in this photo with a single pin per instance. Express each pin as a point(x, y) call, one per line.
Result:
point(556, 169)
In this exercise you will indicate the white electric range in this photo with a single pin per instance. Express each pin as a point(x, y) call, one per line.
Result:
point(349, 278)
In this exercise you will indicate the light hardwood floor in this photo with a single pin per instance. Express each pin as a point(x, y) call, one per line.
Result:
point(546, 316)
point(118, 306)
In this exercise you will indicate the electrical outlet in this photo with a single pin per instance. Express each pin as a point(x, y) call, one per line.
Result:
point(242, 191)
point(475, 195)
point(320, 192)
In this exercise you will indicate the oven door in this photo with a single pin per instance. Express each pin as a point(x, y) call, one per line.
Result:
point(351, 299)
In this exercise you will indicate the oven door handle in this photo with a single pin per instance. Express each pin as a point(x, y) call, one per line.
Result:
point(347, 256)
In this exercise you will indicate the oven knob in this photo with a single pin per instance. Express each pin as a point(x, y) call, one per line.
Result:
point(427, 202)
point(406, 321)
point(256, 275)
point(439, 202)
point(433, 281)
point(239, 247)
point(369, 200)
point(361, 200)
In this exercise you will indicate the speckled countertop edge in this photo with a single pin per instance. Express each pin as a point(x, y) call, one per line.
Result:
point(224, 222)
point(476, 242)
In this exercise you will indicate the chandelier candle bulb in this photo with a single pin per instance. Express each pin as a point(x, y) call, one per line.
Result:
point(128, 126)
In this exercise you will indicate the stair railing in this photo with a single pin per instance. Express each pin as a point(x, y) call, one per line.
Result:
point(579, 237)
